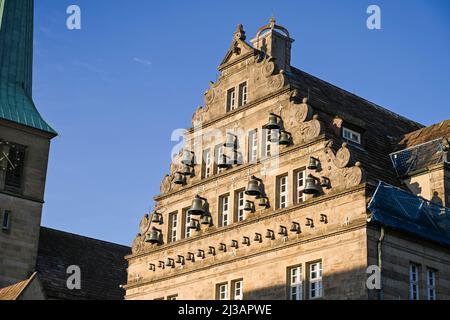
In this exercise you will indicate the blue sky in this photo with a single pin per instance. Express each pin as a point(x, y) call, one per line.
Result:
point(116, 89)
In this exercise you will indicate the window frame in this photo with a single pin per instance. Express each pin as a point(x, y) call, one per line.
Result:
point(297, 285)
point(234, 287)
point(266, 149)
point(299, 188)
point(6, 220)
point(431, 287)
point(224, 218)
point(231, 99)
point(280, 194)
point(240, 205)
point(414, 284)
point(186, 221)
point(352, 132)
point(243, 94)
point(252, 146)
point(173, 229)
point(317, 280)
point(219, 291)
point(206, 168)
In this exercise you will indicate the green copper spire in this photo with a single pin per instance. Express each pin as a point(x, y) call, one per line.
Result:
point(16, 64)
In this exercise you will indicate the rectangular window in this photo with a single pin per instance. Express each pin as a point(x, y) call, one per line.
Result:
point(295, 283)
point(414, 282)
point(238, 287)
point(243, 94)
point(299, 183)
point(315, 280)
point(267, 142)
point(431, 284)
point(283, 193)
point(15, 166)
point(173, 217)
point(253, 146)
point(351, 135)
point(187, 221)
point(240, 204)
point(231, 99)
point(224, 210)
point(206, 169)
point(219, 157)
point(222, 291)
point(6, 221)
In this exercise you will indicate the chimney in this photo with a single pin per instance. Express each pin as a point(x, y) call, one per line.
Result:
point(275, 42)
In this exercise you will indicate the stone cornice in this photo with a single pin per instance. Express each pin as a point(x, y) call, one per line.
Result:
point(360, 225)
point(21, 196)
point(252, 220)
point(240, 168)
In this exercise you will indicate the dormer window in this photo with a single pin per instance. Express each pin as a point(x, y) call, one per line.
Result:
point(243, 94)
point(231, 99)
point(351, 135)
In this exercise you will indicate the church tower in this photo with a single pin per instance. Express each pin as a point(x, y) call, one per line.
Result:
point(24, 145)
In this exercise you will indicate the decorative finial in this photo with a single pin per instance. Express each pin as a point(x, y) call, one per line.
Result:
point(272, 22)
point(240, 33)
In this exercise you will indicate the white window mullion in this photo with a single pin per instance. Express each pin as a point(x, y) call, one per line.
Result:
point(240, 206)
point(295, 289)
point(414, 282)
point(174, 227)
point(225, 210)
point(431, 284)
point(315, 281)
point(300, 179)
point(187, 221)
point(283, 189)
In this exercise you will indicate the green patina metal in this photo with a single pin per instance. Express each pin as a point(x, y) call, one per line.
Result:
point(16, 65)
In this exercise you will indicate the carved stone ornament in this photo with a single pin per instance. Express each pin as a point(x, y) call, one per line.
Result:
point(353, 176)
point(139, 243)
point(166, 184)
point(269, 67)
point(210, 96)
point(309, 130)
point(197, 118)
point(343, 157)
point(277, 82)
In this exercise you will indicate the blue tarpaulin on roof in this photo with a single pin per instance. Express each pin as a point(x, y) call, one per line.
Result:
point(402, 210)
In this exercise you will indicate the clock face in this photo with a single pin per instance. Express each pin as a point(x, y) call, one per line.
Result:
point(9, 156)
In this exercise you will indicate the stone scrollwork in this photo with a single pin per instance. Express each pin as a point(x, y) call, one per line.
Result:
point(339, 168)
point(210, 96)
point(139, 242)
point(343, 157)
point(308, 130)
point(277, 81)
point(166, 184)
point(198, 117)
point(269, 67)
point(353, 176)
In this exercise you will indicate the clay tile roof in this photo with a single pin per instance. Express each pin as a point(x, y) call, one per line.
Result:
point(14, 291)
point(102, 264)
point(437, 131)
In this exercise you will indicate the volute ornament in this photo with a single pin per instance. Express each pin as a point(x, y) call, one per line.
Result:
point(166, 184)
point(269, 67)
point(277, 82)
point(343, 156)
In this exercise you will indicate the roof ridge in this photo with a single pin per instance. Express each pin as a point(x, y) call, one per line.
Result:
point(85, 237)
